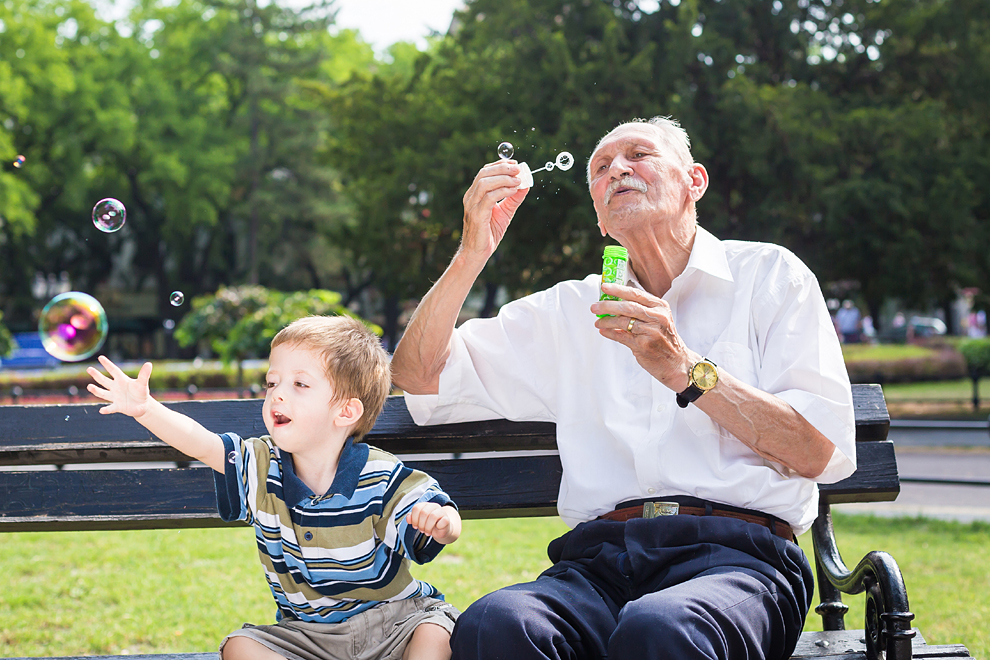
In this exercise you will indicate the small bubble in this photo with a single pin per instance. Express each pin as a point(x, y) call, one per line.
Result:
point(548, 166)
point(109, 215)
point(66, 418)
point(505, 150)
point(565, 160)
point(177, 298)
point(19, 162)
point(232, 457)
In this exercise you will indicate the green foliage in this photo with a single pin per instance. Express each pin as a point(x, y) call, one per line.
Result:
point(7, 343)
point(976, 352)
point(240, 322)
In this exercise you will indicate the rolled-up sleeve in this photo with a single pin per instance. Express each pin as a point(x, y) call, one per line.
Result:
point(498, 368)
point(802, 364)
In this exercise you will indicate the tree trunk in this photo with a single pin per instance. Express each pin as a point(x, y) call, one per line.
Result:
point(491, 291)
point(391, 321)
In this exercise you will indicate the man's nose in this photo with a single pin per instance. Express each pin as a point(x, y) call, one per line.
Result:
point(620, 167)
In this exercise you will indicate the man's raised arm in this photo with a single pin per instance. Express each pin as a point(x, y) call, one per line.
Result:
point(489, 205)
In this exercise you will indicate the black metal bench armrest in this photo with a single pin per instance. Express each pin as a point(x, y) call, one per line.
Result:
point(888, 616)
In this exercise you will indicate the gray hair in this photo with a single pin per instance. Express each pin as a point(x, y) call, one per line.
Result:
point(668, 130)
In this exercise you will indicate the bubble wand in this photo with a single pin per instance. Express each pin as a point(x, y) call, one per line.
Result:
point(564, 161)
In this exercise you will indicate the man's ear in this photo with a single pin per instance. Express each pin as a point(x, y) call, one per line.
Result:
point(350, 413)
point(699, 181)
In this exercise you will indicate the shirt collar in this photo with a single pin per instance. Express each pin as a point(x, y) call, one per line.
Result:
point(353, 457)
point(708, 256)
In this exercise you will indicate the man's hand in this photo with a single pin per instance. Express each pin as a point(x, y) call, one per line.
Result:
point(489, 205)
point(652, 337)
point(443, 523)
point(126, 395)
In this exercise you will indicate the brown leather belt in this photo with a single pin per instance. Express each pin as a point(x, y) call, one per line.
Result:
point(657, 508)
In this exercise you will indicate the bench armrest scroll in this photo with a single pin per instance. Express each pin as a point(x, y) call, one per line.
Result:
point(888, 616)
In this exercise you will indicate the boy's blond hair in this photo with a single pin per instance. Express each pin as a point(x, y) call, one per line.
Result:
point(356, 364)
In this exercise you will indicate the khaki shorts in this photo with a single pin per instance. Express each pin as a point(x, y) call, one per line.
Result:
point(380, 633)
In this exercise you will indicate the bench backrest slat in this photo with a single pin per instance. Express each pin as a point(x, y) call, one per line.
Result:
point(492, 486)
point(78, 433)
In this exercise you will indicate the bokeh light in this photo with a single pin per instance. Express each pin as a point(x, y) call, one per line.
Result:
point(19, 162)
point(73, 326)
point(109, 215)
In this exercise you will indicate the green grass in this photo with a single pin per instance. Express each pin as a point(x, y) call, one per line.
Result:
point(70, 593)
point(943, 389)
point(884, 352)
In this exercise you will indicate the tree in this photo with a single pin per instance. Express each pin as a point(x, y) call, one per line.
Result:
point(240, 322)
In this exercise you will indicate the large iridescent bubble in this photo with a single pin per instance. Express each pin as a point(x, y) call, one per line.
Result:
point(109, 215)
point(73, 326)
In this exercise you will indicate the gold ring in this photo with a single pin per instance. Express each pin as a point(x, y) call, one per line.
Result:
point(629, 327)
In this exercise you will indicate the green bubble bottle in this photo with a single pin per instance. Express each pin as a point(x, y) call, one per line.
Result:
point(614, 264)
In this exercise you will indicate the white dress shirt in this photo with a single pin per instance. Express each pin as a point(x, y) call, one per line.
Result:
point(752, 308)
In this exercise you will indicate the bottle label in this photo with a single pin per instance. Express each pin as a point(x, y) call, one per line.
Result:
point(613, 272)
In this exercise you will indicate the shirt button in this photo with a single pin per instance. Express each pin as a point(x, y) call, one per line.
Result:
point(651, 490)
point(308, 536)
point(661, 407)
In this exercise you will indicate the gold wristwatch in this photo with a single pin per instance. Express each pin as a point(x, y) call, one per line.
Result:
point(703, 377)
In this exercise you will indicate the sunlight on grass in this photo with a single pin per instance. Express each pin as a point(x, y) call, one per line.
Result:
point(75, 593)
point(944, 389)
point(883, 352)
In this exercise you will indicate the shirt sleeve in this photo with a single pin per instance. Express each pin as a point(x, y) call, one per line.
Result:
point(407, 488)
point(237, 488)
point(802, 364)
point(498, 368)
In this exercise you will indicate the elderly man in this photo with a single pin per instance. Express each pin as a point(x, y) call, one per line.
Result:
point(693, 422)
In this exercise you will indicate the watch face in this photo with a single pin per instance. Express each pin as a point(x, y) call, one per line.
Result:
point(704, 375)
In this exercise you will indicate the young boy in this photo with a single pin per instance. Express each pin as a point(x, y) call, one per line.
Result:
point(336, 521)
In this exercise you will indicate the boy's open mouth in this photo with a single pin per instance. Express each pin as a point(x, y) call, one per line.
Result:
point(280, 419)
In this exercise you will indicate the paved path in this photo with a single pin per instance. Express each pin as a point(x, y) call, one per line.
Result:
point(961, 503)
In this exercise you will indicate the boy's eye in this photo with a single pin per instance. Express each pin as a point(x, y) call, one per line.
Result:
point(269, 385)
point(301, 384)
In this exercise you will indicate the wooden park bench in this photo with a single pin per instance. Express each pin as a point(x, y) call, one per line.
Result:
point(522, 483)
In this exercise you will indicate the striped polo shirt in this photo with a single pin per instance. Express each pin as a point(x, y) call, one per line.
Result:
point(328, 557)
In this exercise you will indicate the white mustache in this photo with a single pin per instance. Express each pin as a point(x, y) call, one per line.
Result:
point(627, 182)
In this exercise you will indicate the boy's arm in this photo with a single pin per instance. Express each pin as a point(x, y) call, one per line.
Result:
point(133, 397)
point(441, 522)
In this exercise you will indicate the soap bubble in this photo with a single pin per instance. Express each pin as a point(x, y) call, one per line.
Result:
point(177, 298)
point(109, 215)
point(548, 166)
point(73, 326)
point(232, 457)
point(565, 160)
point(505, 150)
point(19, 162)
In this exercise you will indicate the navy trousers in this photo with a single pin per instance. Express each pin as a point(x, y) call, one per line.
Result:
point(678, 587)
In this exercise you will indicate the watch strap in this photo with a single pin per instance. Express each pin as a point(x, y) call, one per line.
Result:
point(690, 394)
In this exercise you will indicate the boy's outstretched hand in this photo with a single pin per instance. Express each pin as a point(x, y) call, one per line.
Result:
point(126, 395)
point(443, 523)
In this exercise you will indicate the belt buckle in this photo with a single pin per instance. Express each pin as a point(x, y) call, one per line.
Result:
point(657, 509)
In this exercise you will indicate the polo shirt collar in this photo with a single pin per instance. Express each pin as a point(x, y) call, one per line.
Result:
point(353, 457)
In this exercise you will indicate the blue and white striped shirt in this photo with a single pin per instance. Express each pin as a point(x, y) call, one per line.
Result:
point(328, 557)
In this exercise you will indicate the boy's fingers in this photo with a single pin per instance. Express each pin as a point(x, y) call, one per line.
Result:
point(111, 368)
point(99, 377)
point(145, 374)
point(98, 392)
